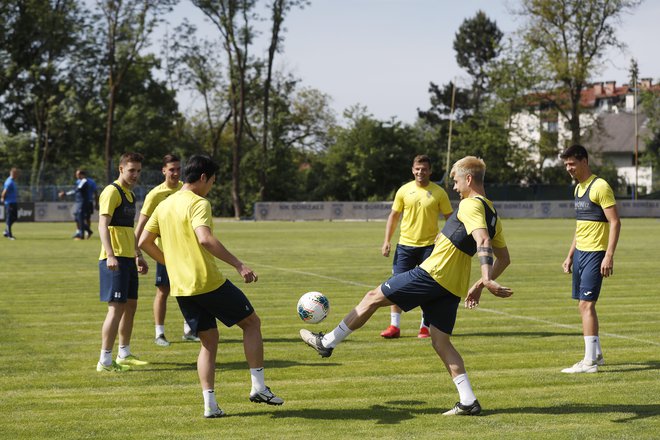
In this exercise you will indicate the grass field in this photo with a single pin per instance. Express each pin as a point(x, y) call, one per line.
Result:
point(513, 348)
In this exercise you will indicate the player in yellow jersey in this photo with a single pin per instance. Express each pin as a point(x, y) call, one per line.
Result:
point(172, 172)
point(591, 255)
point(418, 203)
point(438, 284)
point(185, 225)
point(119, 264)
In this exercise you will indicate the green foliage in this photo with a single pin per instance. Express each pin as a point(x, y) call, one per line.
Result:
point(476, 43)
point(146, 114)
point(369, 159)
point(513, 349)
point(572, 38)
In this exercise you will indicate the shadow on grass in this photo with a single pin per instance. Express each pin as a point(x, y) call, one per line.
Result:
point(629, 412)
point(226, 366)
point(266, 340)
point(631, 366)
point(518, 334)
point(387, 414)
point(395, 412)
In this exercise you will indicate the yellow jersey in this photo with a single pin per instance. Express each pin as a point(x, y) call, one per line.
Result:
point(421, 207)
point(191, 268)
point(450, 266)
point(122, 238)
point(593, 235)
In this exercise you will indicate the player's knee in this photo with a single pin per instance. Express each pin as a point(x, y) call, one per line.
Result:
point(250, 322)
point(373, 298)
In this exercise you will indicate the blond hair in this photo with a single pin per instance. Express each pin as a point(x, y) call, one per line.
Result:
point(471, 165)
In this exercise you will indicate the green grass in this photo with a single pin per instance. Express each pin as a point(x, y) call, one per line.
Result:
point(370, 388)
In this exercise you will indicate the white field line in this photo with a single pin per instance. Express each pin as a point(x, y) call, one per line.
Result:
point(572, 327)
point(497, 312)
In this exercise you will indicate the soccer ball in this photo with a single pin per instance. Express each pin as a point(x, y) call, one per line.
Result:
point(313, 307)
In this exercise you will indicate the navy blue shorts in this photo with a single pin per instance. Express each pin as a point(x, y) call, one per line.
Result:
point(416, 288)
point(226, 303)
point(409, 257)
point(587, 279)
point(161, 275)
point(118, 285)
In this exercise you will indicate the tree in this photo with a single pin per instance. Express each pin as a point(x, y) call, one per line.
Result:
point(278, 10)
point(36, 38)
point(128, 25)
point(476, 43)
point(234, 18)
point(196, 65)
point(572, 37)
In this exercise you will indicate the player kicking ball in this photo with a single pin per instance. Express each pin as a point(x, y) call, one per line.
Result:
point(438, 283)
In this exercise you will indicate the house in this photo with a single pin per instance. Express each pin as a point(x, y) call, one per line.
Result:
point(608, 130)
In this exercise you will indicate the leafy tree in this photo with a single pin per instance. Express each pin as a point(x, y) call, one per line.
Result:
point(476, 43)
point(145, 112)
point(36, 37)
point(368, 161)
point(278, 11)
point(572, 38)
point(234, 18)
point(195, 64)
point(128, 25)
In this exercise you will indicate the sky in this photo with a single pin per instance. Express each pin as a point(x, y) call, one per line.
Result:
point(382, 54)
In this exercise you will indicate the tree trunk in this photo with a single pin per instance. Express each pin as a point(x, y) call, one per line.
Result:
point(108, 135)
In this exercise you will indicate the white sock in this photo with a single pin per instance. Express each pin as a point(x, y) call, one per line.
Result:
point(257, 376)
point(160, 330)
point(599, 351)
point(186, 327)
point(465, 393)
point(209, 400)
point(395, 319)
point(124, 351)
point(590, 348)
point(106, 357)
point(336, 336)
point(421, 322)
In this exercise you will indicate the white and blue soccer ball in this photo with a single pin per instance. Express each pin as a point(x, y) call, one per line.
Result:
point(313, 307)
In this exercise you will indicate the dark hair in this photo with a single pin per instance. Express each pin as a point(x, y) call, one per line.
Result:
point(169, 158)
point(576, 151)
point(83, 172)
point(422, 158)
point(197, 165)
point(130, 157)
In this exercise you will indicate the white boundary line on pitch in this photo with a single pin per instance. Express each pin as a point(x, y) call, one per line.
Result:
point(568, 326)
point(497, 312)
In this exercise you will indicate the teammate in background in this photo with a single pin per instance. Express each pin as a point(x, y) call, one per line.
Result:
point(119, 264)
point(9, 197)
point(185, 225)
point(591, 256)
point(421, 202)
point(172, 171)
point(83, 203)
point(93, 198)
point(438, 283)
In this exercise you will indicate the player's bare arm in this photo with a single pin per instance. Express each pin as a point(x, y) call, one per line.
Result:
point(147, 242)
point(607, 266)
point(218, 250)
point(567, 265)
point(490, 267)
point(392, 221)
point(104, 233)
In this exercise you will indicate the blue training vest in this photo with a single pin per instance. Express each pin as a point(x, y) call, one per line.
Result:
point(585, 209)
point(124, 214)
point(455, 230)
